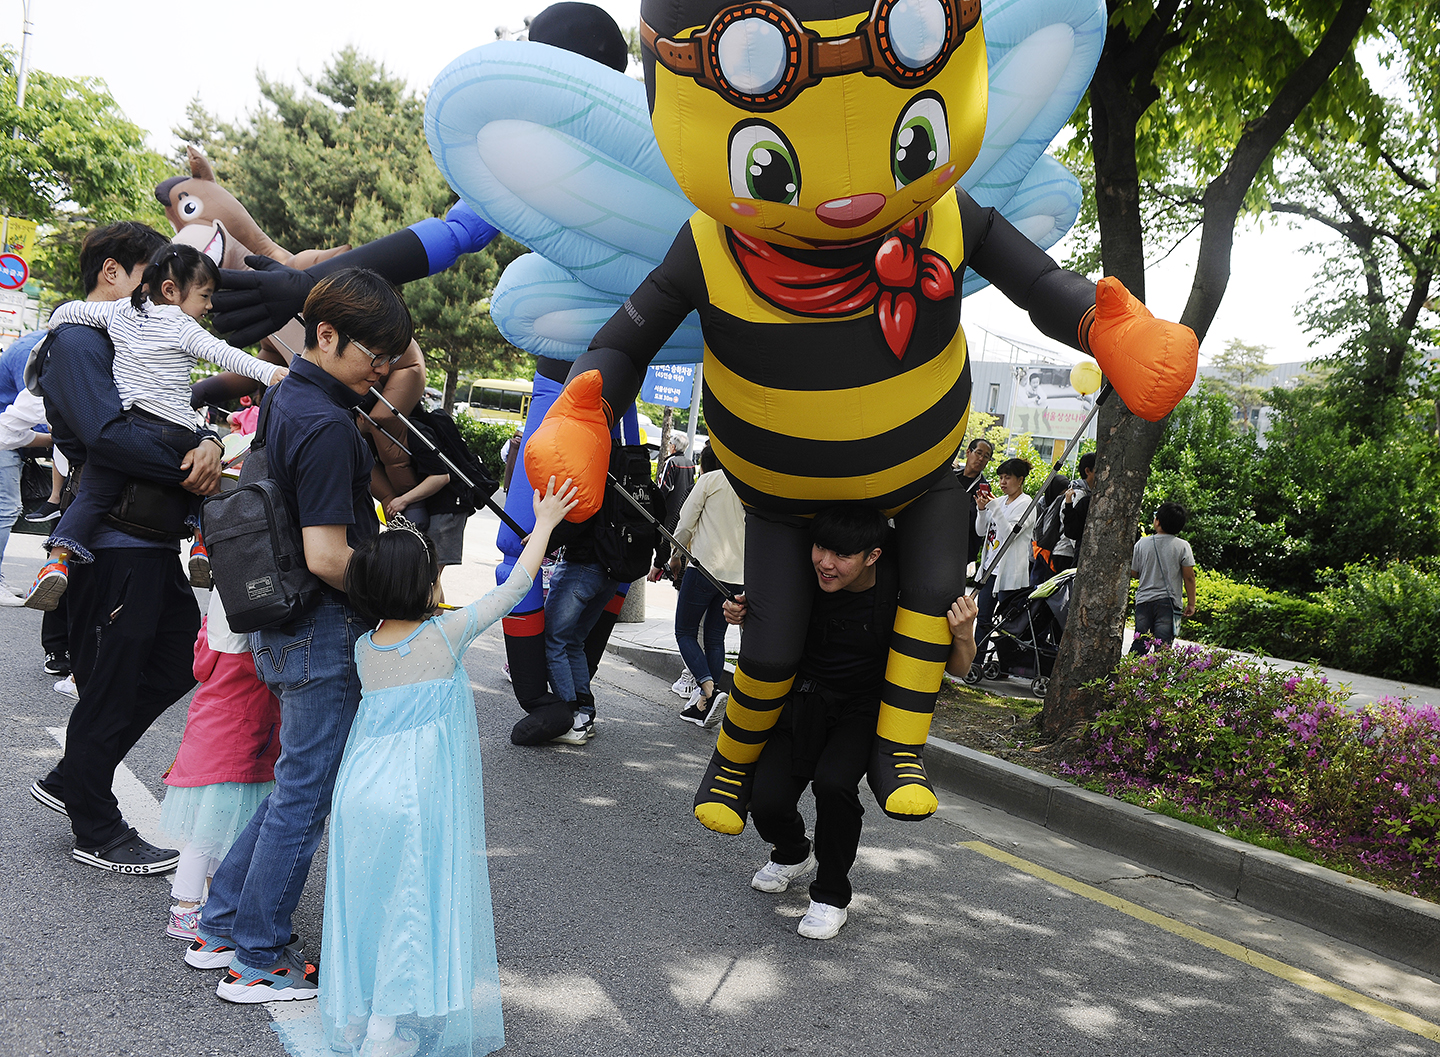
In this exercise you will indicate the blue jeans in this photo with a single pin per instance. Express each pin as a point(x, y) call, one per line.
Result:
point(311, 667)
point(578, 595)
point(9, 495)
point(1153, 619)
point(699, 598)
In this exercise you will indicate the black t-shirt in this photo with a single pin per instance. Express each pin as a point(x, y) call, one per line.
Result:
point(845, 646)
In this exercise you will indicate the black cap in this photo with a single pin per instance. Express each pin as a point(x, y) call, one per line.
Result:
point(583, 29)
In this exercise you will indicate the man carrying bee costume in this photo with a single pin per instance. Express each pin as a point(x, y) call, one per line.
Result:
point(822, 142)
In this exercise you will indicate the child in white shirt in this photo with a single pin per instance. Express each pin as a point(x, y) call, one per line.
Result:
point(157, 343)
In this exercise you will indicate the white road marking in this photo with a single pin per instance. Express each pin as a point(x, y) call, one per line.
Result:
point(297, 1023)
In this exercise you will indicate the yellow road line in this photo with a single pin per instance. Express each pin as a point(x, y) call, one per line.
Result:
point(1288, 973)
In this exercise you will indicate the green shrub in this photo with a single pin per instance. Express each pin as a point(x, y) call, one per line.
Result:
point(485, 439)
point(1245, 617)
point(1385, 620)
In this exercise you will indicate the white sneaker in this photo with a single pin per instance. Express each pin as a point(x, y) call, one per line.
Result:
point(402, 1044)
point(685, 685)
point(67, 687)
point(581, 732)
point(774, 877)
point(822, 921)
point(8, 595)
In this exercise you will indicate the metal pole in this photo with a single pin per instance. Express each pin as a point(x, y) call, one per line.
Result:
point(24, 71)
point(694, 410)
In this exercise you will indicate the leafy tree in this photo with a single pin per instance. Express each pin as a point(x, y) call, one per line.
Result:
point(1385, 205)
point(1239, 366)
point(347, 162)
point(1214, 469)
point(75, 161)
point(1187, 105)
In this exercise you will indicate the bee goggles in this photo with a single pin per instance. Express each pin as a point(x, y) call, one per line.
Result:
point(760, 57)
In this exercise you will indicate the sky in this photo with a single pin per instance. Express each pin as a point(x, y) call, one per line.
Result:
point(155, 60)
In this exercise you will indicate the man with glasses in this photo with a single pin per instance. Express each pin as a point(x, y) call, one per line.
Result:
point(978, 454)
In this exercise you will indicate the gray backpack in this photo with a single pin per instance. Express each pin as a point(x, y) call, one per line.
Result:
point(257, 554)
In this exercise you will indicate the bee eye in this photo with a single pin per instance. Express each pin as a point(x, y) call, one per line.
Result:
point(763, 164)
point(922, 140)
point(189, 207)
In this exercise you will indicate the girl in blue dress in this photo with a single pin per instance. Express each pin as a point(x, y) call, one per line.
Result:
point(409, 934)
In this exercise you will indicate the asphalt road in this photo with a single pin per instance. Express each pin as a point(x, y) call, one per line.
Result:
point(625, 928)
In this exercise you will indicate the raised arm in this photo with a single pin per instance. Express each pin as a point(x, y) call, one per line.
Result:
point(200, 343)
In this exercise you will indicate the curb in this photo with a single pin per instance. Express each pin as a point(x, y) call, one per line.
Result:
point(1393, 925)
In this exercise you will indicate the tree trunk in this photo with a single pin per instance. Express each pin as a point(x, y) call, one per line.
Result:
point(1119, 94)
point(452, 379)
point(1094, 632)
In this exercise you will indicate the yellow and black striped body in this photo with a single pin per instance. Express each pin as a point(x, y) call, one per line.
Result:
point(805, 413)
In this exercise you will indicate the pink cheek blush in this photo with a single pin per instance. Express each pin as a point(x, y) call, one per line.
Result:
point(744, 209)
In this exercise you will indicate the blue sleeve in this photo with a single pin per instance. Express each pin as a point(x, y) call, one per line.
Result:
point(84, 409)
point(462, 231)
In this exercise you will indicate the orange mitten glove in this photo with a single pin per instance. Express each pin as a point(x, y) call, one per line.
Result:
point(1150, 362)
point(573, 441)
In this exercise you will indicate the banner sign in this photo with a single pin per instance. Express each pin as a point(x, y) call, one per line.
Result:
point(1044, 404)
point(669, 384)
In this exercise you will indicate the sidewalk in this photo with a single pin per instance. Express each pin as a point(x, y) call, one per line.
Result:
point(1390, 924)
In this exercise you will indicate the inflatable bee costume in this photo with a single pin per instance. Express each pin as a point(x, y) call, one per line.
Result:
point(822, 142)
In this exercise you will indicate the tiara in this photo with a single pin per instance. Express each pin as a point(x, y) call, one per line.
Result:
point(402, 523)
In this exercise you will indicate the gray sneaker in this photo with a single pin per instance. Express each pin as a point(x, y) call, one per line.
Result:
point(290, 979)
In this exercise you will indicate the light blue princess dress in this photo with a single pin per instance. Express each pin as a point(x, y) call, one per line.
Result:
point(409, 931)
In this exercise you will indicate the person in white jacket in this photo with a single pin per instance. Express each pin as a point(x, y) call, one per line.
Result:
point(998, 518)
point(711, 527)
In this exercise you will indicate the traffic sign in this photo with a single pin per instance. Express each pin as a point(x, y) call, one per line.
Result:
point(13, 271)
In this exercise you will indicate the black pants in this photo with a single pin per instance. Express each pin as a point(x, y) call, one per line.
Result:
point(133, 622)
point(55, 629)
point(823, 741)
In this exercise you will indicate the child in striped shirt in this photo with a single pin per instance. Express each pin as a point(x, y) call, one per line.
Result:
point(157, 343)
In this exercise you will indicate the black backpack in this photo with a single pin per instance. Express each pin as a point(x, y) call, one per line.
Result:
point(257, 554)
point(441, 428)
point(624, 537)
point(1050, 524)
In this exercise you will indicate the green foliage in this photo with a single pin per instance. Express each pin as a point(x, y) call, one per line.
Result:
point(1367, 619)
point(347, 162)
point(1385, 620)
point(76, 162)
point(1202, 463)
point(1271, 623)
point(485, 439)
point(1344, 495)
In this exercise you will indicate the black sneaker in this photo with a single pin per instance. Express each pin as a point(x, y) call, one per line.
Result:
point(49, 799)
point(46, 511)
point(57, 663)
point(129, 853)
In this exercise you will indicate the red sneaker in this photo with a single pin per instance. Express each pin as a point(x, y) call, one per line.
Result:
point(49, 585)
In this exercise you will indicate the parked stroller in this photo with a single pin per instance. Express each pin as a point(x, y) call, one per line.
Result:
point(1024, 638)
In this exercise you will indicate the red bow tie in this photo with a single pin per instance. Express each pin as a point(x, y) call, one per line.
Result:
point(889, 281)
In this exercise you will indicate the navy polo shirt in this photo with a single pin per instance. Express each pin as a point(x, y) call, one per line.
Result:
point(317, 456)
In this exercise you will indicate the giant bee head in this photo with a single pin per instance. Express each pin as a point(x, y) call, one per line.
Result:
point(812, 123)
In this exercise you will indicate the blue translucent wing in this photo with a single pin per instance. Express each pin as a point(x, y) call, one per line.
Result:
point(1043, 207)
point(557, 151)
point(543, 309)
point(1042, 55)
